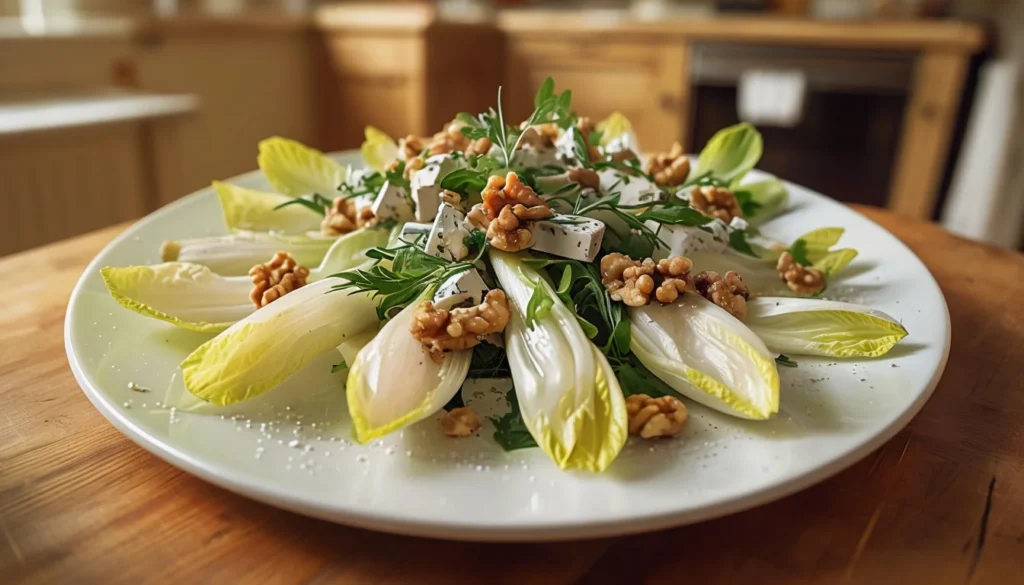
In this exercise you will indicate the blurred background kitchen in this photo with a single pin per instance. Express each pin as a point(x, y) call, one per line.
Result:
point(112, 108)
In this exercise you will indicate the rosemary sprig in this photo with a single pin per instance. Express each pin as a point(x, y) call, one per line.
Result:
point(316, 203)
point(405, 273)
point(548, 106)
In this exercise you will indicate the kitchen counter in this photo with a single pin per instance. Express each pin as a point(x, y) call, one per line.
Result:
point(940, 503)
point(37, 112)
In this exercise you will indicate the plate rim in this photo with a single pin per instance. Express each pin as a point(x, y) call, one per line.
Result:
point(242, 484)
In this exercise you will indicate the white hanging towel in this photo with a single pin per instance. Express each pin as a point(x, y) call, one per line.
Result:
point(771, 97)
point(986, 199)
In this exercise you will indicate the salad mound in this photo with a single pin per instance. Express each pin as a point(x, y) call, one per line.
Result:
point(613, 288)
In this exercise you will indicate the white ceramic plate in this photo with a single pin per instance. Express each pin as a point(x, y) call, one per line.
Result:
point(291, 447)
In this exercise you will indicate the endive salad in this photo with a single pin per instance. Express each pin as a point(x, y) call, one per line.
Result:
point(614, 288)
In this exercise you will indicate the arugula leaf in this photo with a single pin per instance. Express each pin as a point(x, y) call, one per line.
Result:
point(509, 429)
point(748, 206)
point(675, 214)
point(489, 361)
point(738, 241)
point(784, 360)
point(799, 252)
point(539, 306)
point(470, 180)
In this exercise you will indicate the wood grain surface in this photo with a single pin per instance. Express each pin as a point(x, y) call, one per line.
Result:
point(941, 503)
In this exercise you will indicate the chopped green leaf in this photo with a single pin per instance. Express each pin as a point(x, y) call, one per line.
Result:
point(339, 367)
point(509, 429)
point(738, 241)
point(784, 360)
point(489, 361)
point(799, 252)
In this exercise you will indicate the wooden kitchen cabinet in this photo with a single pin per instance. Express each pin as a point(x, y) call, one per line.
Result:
point(402, 70)
point(645, 81)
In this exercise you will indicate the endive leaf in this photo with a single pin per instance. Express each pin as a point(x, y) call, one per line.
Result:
point(833, 262)
point(270, 345)
point(817, 242)
point(295, 169)
point(187, 295)
point(827, 328)
point(235, 254)
point(378, 149)
point(767, 198)
point(393, 382)
point(568, 394)
point(252, 210)
point(194, 297)
point(730, 153)
point(707, 355)
point(617, 133)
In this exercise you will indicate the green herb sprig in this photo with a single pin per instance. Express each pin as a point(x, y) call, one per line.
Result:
point(316, 203)
point(491, 124)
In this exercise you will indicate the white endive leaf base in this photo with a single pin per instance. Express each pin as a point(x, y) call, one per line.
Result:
point(267, 347)
point(393, 383)
point(707, 355)
point(825, 328)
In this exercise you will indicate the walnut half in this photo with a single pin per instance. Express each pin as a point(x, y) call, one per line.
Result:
point(649, 417)
point(343, 217)
point(717, 202)
point(276, 278)
point(508, 211)
point(441, 330)
point(634, 281)
point(729, 292)
point(802, 280)
point(669, 168)
point(460, 422)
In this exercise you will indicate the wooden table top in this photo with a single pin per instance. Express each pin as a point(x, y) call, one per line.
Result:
point(942, 502)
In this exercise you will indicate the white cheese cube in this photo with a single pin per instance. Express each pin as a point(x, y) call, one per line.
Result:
point(392, 203)
point(684, 240)
point(738, 223)
point(632, 190)
point(426, 183)
point(447, 234)
point(412, 230)
point(530, 157)
point(464, 289)
point(569, 236)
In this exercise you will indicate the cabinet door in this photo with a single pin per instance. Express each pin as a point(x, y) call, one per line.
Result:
point(374, 80)
point(646, 82)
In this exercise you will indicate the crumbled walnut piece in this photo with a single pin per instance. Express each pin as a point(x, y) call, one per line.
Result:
point(413, 165)
point(508, 211)
point(411, 147)
point(342, 217)
point(478, 217)
point(633, 281)
point(669, 168)
point(442, 330)
point(452, 198)
point(716, 202)
point(730, 292)
point(480, 146)
point(170, 250)
point(664, 416)
point(585, 178)
point(276, 278)
point(460, 422)
point(802, 280)
point(507, 233)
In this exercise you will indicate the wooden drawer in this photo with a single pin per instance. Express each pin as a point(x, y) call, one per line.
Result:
point(645, 82)
point(375, 56)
